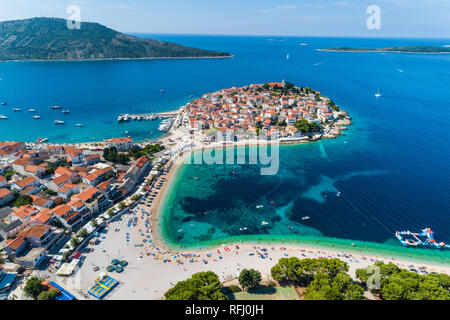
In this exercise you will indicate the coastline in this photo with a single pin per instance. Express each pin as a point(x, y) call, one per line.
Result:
point(385, 252)
point(119, 59)
point(381, 51)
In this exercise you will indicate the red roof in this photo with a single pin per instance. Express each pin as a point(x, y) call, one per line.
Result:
point(121, 140)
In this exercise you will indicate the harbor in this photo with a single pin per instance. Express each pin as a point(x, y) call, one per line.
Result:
point(146, 116)
point(168, 119)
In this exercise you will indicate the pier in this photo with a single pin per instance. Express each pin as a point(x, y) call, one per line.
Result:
point(147, 116)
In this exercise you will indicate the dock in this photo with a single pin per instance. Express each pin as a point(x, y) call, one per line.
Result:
point(146, 116)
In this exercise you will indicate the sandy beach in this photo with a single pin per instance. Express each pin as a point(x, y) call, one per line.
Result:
point(154, 267)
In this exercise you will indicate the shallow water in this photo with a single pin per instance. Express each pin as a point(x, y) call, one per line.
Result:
point(392, 166)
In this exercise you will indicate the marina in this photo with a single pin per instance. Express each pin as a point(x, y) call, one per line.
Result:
point(145, 116)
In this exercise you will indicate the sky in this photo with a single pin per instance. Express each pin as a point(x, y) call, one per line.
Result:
point(337, 18)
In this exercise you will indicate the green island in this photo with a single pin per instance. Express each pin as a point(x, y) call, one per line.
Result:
point(405, 49)
point(51, 39)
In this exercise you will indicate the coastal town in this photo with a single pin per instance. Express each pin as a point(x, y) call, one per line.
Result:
point(53, 197)
point(261, 110)
point(84, 220)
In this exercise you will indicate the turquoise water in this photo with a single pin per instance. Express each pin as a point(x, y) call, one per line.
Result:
point(392, 166)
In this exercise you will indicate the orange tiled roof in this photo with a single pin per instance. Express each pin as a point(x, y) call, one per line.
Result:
point(4, 192)
point(25, 182)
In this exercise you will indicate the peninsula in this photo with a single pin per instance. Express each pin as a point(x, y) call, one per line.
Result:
point(296, 114)
point(406, 49)
point(51, 39)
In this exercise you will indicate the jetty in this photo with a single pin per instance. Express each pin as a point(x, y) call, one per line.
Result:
point(146, 116)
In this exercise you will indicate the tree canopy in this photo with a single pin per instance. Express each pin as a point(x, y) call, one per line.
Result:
point(111, 154)
point(48, 295)
point(249, 278)
point(301, 271)
point(306, 127)
point(325, 279)
point(201, 286)
point(148, 150)
point(401, 284)
point(23, 200)
point(340, 287)
point(33, 287)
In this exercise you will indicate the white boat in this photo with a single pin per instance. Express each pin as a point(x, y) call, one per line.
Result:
point(338, 194)
point(264, 223)
point(31, 110)
point(3, 103)
point(259, 206)
point(55, 107)
point(162, 90)
point(41, 140)
point(36, 117)
point(3, 117)
point(303, 44)
point(305, 218)
point(17, 109)
point(79, 125)
point(66, 111)
point(166, 125)
point(59, 122)
point(378, 94)
point(287, 56)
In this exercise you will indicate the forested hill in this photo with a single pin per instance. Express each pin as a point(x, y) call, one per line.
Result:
point(51, 39)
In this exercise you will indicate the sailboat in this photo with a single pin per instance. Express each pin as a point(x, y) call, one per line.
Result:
point(378, 94)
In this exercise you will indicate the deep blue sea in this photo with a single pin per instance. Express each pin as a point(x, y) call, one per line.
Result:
point(392, 166)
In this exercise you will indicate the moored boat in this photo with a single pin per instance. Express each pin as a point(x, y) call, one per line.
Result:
point(59, 122)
